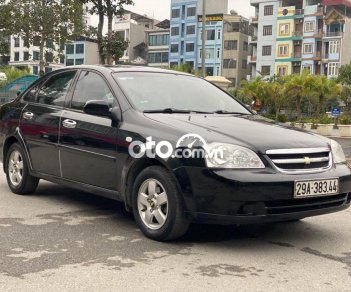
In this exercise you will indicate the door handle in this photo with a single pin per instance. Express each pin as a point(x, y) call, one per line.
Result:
point(69, 124)
point(28, 116)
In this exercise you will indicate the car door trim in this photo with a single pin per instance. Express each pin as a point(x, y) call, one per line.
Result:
point(88, 152)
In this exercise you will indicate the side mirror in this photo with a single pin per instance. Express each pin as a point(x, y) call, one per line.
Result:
point(97, 108)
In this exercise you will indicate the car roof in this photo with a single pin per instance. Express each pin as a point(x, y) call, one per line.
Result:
point(124, 68)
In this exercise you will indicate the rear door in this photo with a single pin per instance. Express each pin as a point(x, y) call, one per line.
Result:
point(88, 144)
point(41, 119)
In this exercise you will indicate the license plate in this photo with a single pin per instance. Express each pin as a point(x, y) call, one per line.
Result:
point(315, 188)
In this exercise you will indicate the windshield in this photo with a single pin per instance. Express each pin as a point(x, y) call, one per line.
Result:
point(159, 91)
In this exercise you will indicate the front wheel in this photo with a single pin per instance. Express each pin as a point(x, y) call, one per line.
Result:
point(17, 172)
point(158, 206)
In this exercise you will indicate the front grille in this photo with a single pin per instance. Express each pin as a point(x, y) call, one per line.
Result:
point(308, 204)
point(300, 160)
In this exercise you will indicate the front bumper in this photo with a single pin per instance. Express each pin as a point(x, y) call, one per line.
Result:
point(257, 196)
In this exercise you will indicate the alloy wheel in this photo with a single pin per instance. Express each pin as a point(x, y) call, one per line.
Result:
point(15, 168)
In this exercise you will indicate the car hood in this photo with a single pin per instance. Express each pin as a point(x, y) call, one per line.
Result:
point(255, 132)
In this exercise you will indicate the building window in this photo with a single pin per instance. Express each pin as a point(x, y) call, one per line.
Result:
point(35, 56)
point(17, 42)
point(190, 29)
point(80, 49)
point(191, 11)
point(190, 47)
point(267, 30)
point(246, 46)
point(282, 70)
point(265, 70)
point(174, 48)
point(333, 69)
point(283, 50)
point(211, 34)
point(268, 10)
point(49, 57)
point(17, 55)
point(159, 40)
point(80, 61)
point(26, 42)
point(25, 56)
point(70, 49)
point(173, 64)
point(218, 53)
point(266, 50)
point(36, 41)
point(308, 48)
point(62, 59)
point(284, 29)
point(307, 68)
point(49, 44)
point(35, 70)
point(175, 31)
point(219, 34)
point(48, 70)
point(334, 47)
point(244, 64)
point(229, 64)
point(309, 26)
point(175, 13)
point(69, 62)
point(231, 45)
point(161, 57)
point(209, 54)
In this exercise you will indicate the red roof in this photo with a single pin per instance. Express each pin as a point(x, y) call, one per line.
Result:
point(337, 2)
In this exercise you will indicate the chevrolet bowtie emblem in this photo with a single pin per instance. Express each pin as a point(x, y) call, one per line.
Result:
point(307, 160)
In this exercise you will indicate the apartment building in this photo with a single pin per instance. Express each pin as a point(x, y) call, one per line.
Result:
point(235, 48)
point(132, 27)
point(295, 35)
point(158, 44)
point(82, 51)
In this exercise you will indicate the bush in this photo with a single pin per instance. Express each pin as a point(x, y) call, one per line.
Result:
point(325, 120)
point(282, 118)
point(344, 120)
point(13, 74)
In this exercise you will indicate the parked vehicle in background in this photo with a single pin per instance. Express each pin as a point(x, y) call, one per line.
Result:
point(150, 138)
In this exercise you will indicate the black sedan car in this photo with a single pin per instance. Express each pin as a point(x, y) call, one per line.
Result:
point(173, 147)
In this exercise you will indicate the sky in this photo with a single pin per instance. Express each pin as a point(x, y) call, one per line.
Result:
point(160, 9)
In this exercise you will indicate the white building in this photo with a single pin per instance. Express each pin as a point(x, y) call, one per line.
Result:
point(82, 51)
point(132, 27)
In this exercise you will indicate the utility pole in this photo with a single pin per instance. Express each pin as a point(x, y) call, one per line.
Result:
point(203, 59)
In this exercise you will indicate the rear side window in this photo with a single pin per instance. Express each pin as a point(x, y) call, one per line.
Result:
point(54, 91)
point(91, 86)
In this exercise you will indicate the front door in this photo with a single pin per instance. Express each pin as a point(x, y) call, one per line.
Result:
point(40, 122)
point(88, 148)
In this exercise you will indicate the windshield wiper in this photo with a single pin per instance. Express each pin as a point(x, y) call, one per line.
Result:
point(222, 112)
point(173, 111)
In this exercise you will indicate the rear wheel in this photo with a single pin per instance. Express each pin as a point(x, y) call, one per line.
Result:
point(17, 173)
point(158, 206)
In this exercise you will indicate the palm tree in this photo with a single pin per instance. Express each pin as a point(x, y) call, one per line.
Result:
point(276, 93)
point(254, 89)
point(324, 88)
point(297, 87)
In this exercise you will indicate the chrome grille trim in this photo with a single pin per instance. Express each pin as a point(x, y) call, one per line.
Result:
point(279, 162)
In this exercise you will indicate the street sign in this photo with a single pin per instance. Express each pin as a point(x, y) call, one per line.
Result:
point(336, 112)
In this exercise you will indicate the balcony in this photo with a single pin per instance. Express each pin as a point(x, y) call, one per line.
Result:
point(253, 39)
point(320, 11)
point(254, 20)
point(296, 55)
point(299, 12)
point(251, 59)
point(317, 56)
point(333, 34)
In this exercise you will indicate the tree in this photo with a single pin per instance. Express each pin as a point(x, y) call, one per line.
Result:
point(276, 93)
point(324, 88)
point(115, 47)
point(345, 75)
point(43, 21)
point(297, 87)
point(255, 89)
point(109, 9)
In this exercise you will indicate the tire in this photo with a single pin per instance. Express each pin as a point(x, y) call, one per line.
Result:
point(17, 172)
point(158, 205)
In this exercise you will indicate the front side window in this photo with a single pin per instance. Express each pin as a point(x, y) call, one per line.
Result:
point(91, 86)
point(54, 91)
point(157, 91)
point(308, 48)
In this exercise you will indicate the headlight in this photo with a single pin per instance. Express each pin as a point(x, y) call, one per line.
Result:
point(338, 153)
point(220, 155)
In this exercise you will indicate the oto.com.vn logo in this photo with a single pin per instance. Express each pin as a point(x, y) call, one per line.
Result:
point(188, 146)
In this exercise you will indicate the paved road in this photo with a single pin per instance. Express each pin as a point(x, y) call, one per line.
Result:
point(64, 240)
